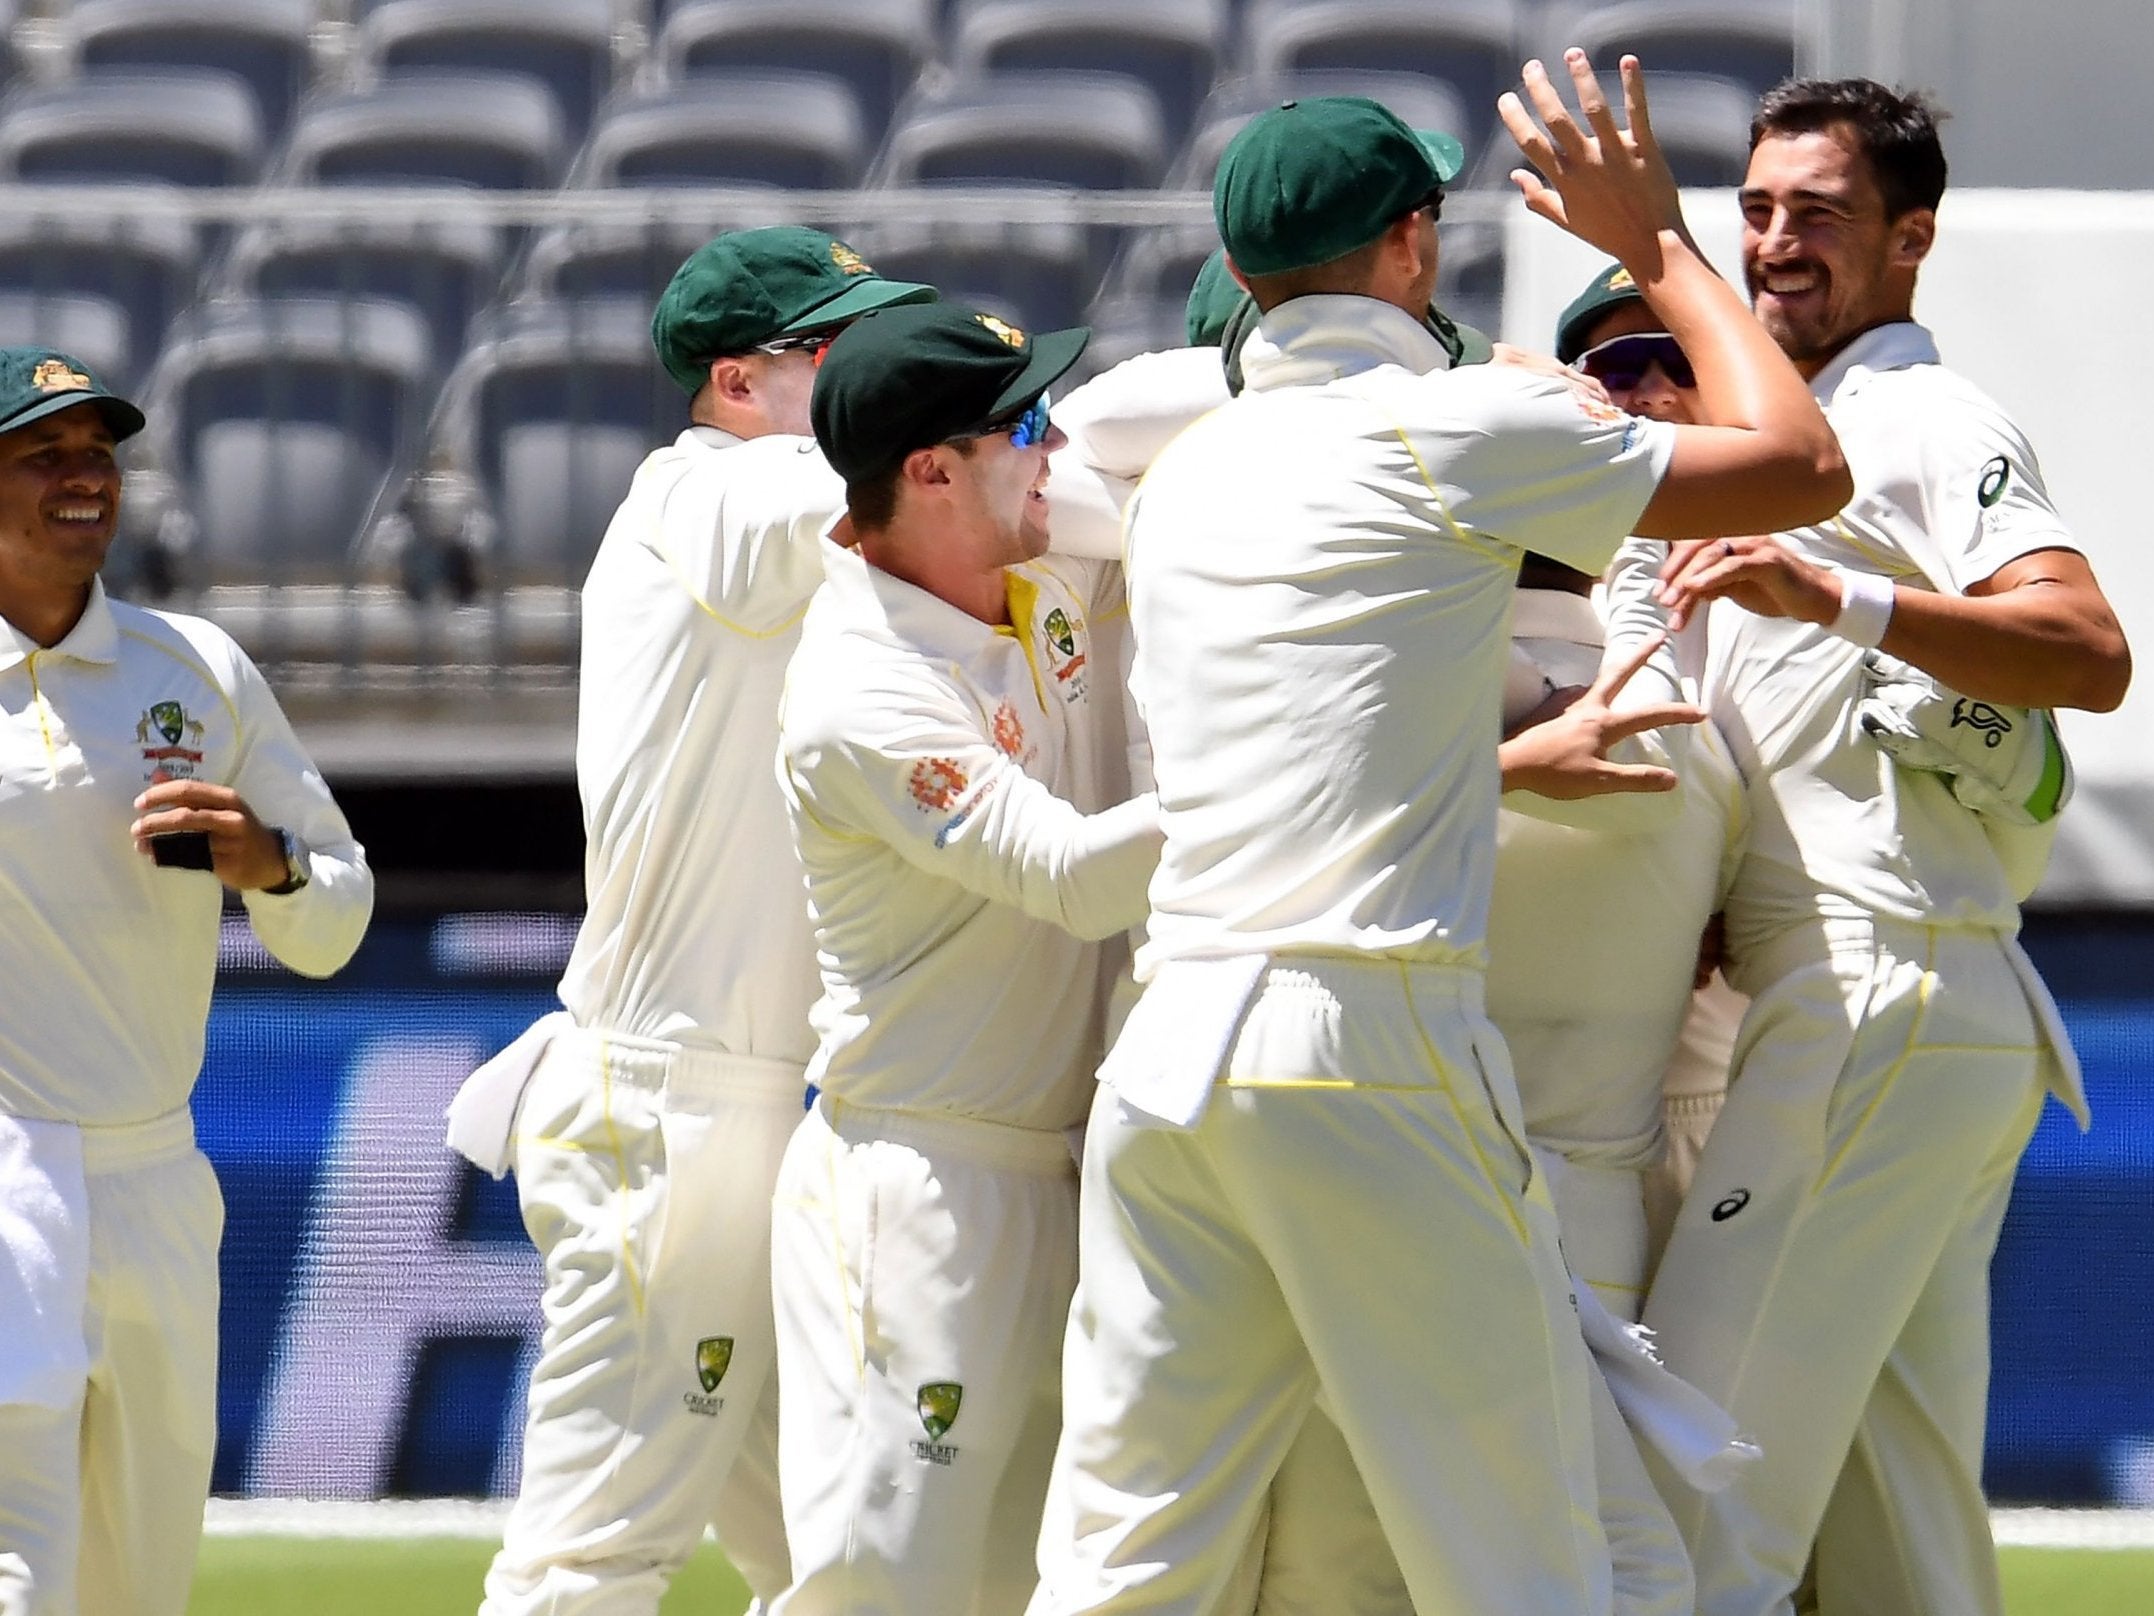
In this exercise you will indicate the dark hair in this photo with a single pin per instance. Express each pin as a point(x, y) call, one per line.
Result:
point(1895, 130)
point(872, 502)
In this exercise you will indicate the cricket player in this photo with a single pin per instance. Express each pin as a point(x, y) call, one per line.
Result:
point(1827, 1278)
point(145, 768)
point(942, 761)
point(1320, 576)
point(1319, 1546)
point(649, 1117)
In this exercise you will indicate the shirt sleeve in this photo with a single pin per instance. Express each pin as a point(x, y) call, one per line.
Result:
point(1987, 502)
point(1120, 420)
point(1084, 508)
point(1536, 464)
point(743, 529)
point(317, 929)
point(914, 769)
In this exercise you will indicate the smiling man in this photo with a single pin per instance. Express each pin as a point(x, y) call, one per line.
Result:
point(1827, 1278)
point(144, 767)
point(944, 737)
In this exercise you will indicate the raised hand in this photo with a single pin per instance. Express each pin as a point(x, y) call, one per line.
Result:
point(1608, 186)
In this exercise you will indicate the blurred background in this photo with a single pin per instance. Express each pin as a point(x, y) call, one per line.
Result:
point(381, 272)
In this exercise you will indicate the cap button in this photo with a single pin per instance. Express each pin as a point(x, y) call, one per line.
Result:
point(1288, 106)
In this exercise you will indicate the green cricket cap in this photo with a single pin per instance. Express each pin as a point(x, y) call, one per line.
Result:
point(1610, 289)
point(750, 286)
point(904, 378)
point(1309, 181)
point(1213, 297)
point(37, 382)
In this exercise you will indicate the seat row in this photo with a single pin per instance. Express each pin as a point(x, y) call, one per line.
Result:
point(584, 54)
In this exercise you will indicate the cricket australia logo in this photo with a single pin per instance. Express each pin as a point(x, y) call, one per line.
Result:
point(714, 1356)
point(1065, 661)
point(1982, 716)
point(175, 760)
point(937, 1404)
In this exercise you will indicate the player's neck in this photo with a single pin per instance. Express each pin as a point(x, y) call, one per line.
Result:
point(45, 612)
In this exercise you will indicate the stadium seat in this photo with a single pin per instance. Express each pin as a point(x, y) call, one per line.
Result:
point(780, 129)
point(567, 45)
point(1159, 264)
point(446, 268)
point(1039, 274)
point(551, 411)
point(177, 126)
point(89, 328)
point(1702, 124)
point(1175, 46)
point(1097, 131)
point(265, 42)
point(284, 424)
point(630, 258)
point(1752, 42)
point(876, 46)
point(1471, 45)
point(1123, 327)
point(142, 261)
point(1425, 103)
point(431, 127)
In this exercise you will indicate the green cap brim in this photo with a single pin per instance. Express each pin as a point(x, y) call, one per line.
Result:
point(122, 417)
point(1444, 152)
point(864, 296)
point(1053, 352)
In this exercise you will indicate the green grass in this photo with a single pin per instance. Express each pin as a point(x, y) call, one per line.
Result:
point(265, 1576)
point(434, 1576)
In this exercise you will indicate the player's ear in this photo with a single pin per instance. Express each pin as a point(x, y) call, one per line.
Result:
point(1234, 269)
point(927, 468)
point(1913, 234)
point(730, 381)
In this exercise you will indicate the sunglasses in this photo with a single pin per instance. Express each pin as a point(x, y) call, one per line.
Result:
point(814, 343)
point(1620, 363)
point(1025, 429)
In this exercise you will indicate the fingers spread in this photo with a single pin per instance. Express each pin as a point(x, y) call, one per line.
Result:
point(1591, 101)
point(1614, 677)
point(1635, 113)
point(1662, 715)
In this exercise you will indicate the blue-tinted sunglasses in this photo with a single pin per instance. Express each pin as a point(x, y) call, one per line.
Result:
point(1025, 430)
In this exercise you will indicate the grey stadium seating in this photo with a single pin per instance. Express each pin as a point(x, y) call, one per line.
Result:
point(567, 45)
point(551, 411)
point(431, 127)
point(444, 269)
point(1752, 42)
point(627, 258)
point(1175, 46)
point(769, 127)
point(1423, 102)
point(1039, 274)
point(1101, 131)
point(176, 126)
point(1702, 124)
point(265, 42)
point(285, 423)
point(93, 329)
point(142, 260)
point(877, 46)
point(1471, 45)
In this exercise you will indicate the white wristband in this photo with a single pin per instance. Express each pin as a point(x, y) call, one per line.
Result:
point(1865, 608)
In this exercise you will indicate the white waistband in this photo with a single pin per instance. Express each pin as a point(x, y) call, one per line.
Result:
point(995, 1143)
point(657, 1064)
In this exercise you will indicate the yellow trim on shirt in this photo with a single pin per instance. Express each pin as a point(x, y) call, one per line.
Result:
point(1024, 595)
point(44, 728)
point(1472, 541)
point(718, 617)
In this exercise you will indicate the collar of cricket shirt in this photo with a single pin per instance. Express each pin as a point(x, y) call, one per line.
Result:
point(1556, 614)
point(896, 611)
point(710, 437)
point(1310, 340)
point(1885, 347)
point(94, 638)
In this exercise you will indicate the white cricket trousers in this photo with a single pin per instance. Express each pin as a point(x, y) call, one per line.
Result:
point(923, 1265)
point(101, 1498)
point(645, 1171)
point(1829, 1271)
point(1357, 1212)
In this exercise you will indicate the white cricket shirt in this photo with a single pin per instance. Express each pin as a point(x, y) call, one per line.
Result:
point(1947, 491)
point(695, 929)
point(1320, 575)
point(944, 782)
point(1594, 927)
point(107, 960)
